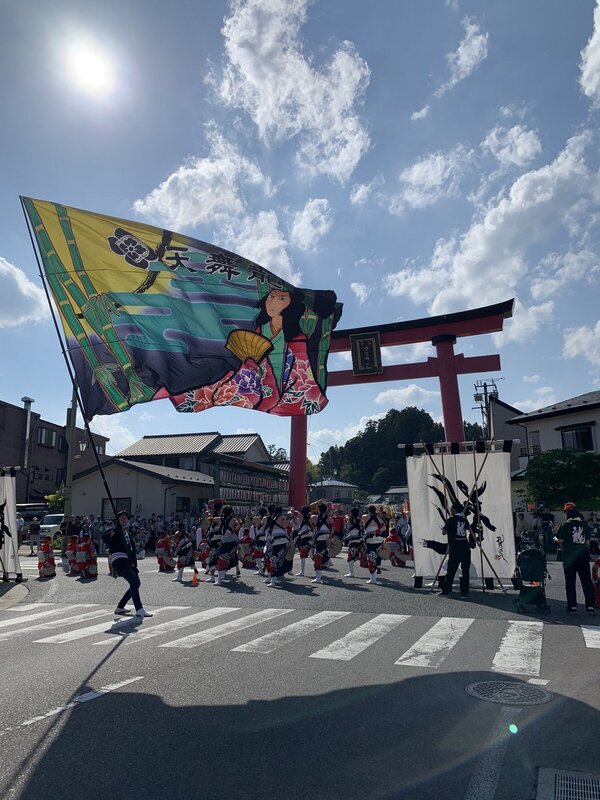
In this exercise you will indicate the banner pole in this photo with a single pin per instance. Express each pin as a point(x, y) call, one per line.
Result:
point(70, 369)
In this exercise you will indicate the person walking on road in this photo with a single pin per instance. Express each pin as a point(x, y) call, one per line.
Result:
point(574, 538)
point(124, 563)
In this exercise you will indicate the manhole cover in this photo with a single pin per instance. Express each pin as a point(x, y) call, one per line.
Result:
point(509, 694)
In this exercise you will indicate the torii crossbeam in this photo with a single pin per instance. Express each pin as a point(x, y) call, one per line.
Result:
point(442, 332)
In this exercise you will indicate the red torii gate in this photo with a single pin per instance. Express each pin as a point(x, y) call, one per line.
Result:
point(442, 332)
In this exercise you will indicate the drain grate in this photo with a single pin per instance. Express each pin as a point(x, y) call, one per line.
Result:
point(508, 693)
point(553, 785)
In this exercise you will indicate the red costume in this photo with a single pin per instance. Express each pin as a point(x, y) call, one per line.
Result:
point(394, 548)
point(246, 550)
point(46, 562)
point(71, 550)
point(87, 562)
point(164, 554)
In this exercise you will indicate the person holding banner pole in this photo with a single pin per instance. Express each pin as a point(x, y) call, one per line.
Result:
point(123, 563)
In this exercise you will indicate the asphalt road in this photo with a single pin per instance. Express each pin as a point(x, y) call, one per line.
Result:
point(341, 690)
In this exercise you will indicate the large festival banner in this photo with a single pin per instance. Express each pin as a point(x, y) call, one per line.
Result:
point(9, 544)
point(148, 313)
point(481, 483)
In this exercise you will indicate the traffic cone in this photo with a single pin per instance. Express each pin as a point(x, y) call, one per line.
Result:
point(195, 579)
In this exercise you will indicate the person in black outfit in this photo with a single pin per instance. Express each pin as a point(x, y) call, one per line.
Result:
point(123, 562)
point(574, 538)
point(460, 541)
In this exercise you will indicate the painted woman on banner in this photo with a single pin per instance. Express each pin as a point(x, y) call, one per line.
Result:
point(279, 366)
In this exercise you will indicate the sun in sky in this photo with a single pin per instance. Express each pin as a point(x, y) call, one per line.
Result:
point(90, 68)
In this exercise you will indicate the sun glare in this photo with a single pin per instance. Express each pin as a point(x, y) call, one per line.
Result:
point(90, 69)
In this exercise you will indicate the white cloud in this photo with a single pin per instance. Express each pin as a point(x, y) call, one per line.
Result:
point(398, 354)
point(544, 396)
point(411, 395)
point(259, 238)
point(488, 262)
point(559, 270)
point(421, 114)
point(361, 192)
point(311, 224)
point(430, 179)
point(532, 378)
point(514, 146)
point(324, 438)
point(268, 75)
point(21, 300)
point(589, 80)
point(583, 341)
point(524, 323)
point(119, 434)
point(206, 190)
point(471, 52)
point(361, 291)
point(245, 430)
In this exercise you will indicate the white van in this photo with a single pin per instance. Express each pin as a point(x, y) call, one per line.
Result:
point(50, 524)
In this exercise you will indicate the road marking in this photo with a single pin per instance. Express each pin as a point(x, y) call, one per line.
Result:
point(538, 681)
point(272, 641)
point(82, 698)
point(55, 623)
point(118, 625)
point(7, 623)
point(591, 635)
point(364, 636)
point(486, 775)
point(210, 634)
point(520, 650)
point(178, 624)
point(29, 607)
point(433, 647)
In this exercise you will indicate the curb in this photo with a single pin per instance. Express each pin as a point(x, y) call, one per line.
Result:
point(13, 596)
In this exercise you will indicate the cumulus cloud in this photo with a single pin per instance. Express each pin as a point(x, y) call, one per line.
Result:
point(560, 270)
point(471, 52)
point(267, 74)
point(21, 300)
point(119, 434)
point(411, 395)
point(542, 397)
point(260, 239)
point(487, 263)
point(514, 146)
point(361, 291)
point(430, 179)
point(311, 224)
point(325, 437)
point(360, 192)
point(589, 78)
point(524, 323)
point(583, 341)
point(204, 191)
point(421, 114)
point(531, 378)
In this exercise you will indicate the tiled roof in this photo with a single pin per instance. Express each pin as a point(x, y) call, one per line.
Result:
point(172, 473)
point(282, 466)
point(169, 445)
point(579, 403)
point(331, 482)
point(233, 443)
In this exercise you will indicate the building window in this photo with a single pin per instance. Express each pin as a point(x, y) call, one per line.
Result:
point(46, 437)
point(186, 462)
point(62, 443)
point(578, 438)
point(182, 505)
point(100, 449)
point(534, 443)
point(60, 476)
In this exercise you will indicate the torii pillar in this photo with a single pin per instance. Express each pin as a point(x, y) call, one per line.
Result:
point(442, 332)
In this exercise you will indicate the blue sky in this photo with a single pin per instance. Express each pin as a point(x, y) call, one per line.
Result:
point(418, 158)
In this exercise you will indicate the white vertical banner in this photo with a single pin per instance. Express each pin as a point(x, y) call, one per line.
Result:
point(9, 551)
point(481, 483)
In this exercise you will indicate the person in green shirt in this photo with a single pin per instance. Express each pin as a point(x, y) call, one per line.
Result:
point(574, 538)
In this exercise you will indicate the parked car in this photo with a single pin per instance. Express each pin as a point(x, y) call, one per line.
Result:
point(50, 525)
point(28, 511)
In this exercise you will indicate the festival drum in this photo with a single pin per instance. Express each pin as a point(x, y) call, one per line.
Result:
point(385, 551)
point(335, 547)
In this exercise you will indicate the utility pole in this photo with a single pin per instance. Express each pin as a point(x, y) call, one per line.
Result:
point(27, 401)
point(484, 390)
point(70, 437)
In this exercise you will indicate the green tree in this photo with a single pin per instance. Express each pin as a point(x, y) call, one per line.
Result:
point(56, 501)
point(473, 432)
point(277, 453)
point(557, 476)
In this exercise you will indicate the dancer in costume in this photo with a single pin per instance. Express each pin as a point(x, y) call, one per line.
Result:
point(164, 553)
point(246, 550)
point(71, 551)
point(184, 553)
point(87, 560)
point(374, 529)
point(46, 562)
point(304, 537)
point(228, 547)
point(322, 528)
point(281, 556)
point(213, 537)
point(353, 540)
point(260, 539)
point(394, 546)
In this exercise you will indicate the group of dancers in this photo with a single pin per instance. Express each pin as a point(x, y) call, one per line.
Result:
point(81, 555)
point(269, 545)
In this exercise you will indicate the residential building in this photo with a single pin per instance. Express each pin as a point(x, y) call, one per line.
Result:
point(47, 456)
point(239, 464)
point(504, 424)
point(334, 491)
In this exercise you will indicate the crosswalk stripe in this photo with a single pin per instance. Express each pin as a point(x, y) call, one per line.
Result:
point(210, 634)
point(270, 642)
point(55, 623)
point(29, 607)
point(520, 651)
point(91, 630)
point(360, 638)
point(8, 623)
point(591, 635)
point(178, 624)
point(433, 647)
